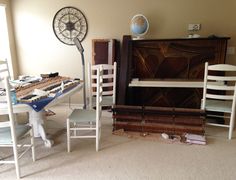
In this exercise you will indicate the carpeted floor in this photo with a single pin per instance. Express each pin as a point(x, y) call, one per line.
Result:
point(125, 158)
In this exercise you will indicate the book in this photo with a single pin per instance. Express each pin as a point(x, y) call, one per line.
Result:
point(195, 139)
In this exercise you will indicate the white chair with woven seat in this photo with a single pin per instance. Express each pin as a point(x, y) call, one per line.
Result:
point(86, 123)
point(219, 95)
point(109, 84)
point(12, 135)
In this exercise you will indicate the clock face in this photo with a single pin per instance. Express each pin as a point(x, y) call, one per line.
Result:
point(68, 23)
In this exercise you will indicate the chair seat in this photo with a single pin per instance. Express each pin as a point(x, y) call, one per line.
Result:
point(83, 115)
point(219, 106)
point(5, 133)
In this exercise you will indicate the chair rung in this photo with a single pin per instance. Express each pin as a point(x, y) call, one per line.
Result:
point(22, 154)
point(218, 125)
point(72, 129)
point(24, 145)
point(7, 162)
point(82, 137)
point(6, 145)
point(18, 145)
point(5, 124)
point(218, 116)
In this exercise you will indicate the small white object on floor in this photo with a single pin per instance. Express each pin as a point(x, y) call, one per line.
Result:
point(165, 136)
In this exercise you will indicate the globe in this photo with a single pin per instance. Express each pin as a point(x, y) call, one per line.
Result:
point(139, 26)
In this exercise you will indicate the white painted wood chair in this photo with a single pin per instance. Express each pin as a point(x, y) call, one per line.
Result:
point(11, 133)
point(86, 123)
point(219, 94)
point(109, 84)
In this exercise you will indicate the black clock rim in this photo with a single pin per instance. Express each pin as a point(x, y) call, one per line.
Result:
point(55, 18)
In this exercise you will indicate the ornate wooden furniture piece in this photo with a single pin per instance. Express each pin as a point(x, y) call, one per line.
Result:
point(162, 60)
point(164, 73)
point(159, 119)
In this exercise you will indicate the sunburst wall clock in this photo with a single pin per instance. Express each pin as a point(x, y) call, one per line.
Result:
point(68, 23)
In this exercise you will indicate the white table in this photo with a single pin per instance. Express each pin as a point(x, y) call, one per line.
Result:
point(37, 118)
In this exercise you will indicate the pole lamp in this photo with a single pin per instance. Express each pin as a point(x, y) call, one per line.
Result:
point(81, 50)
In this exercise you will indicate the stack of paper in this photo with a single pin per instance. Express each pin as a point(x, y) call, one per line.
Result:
point(195, 139)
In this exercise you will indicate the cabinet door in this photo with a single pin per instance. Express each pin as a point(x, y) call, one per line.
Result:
point(103, 51)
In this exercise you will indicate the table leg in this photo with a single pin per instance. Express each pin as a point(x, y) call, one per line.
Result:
point(37, 120)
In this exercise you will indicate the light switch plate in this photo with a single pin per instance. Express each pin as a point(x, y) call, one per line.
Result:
point(194, 27)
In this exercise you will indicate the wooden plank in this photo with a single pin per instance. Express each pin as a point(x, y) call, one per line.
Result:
point(158, 128)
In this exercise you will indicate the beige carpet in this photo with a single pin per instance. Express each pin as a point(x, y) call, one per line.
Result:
point(122, 158)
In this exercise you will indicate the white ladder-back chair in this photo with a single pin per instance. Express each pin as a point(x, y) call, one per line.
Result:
point(86, 123)
point(11, 133)
point(109, 84)
point(219, 94)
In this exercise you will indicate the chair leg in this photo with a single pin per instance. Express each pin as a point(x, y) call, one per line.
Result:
point(16, 159)
point(32, 144)
point(68, 134)
point(75, 132)
point(231, 124)
point(97, 144)
point(97, 138)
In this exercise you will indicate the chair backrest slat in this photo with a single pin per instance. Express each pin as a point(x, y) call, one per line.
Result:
point(221, 78)
point(220, 97)
point(4, 69)
point(107, 92)
point(108, 76)
point(222, 67)
point(108, 84)
point(223, 88)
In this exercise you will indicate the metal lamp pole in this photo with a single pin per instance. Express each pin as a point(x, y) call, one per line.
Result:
point(81, 50)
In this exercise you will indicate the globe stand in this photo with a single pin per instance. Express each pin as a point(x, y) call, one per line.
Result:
point(137, 37)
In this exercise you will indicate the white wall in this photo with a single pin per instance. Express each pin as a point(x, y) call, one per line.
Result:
point(39, 51)
point(12, 56)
